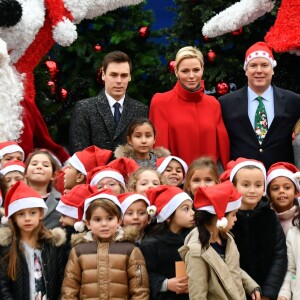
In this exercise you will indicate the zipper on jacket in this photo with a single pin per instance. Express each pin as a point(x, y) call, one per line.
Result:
point(139, 269)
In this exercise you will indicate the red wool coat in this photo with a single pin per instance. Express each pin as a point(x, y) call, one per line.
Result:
point(189, 124)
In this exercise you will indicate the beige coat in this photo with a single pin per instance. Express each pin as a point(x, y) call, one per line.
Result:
point(212, 278)
point(105, 270)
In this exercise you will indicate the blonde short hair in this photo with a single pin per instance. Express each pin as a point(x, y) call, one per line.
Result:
point(189, 52)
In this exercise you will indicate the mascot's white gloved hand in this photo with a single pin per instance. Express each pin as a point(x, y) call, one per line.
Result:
point(236, 16)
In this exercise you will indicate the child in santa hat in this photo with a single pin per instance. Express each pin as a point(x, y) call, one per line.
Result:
point(172, 169)
point(202, 172)
point(257, 231)
point(11, 172)
point(141, 135)
point(10, 151)
point(112, 176)
point(68, 207)
point(104, 261)
point(26, 247)
point(134, 209)
point(83, 162)
point(173, 209)
point(209, 251)
point(40, 170)
point(282, 190)
point(143, 179)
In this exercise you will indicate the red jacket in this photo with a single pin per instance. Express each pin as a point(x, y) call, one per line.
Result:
point(190, 124)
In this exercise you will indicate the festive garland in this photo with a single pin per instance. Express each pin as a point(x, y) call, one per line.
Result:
point(284, 36)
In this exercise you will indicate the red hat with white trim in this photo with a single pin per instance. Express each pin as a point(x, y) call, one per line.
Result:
point(284, 169)
point(82, 208)
point(126, 166)
point(101, 172)
point(260, 49)
point(10, 147)
point(126, 199)
point(235, 165)
point(21, 196)
point(165, 200)
point(162, 163)
point(69, 203)
point(11, 166)
point(218, 200)
point(87, 159)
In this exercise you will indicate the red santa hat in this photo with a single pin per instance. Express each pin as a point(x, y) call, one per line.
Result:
point(164, 201)
point(58, 183)
point(126, 166)
point(126, 199)
point(162, 163)
point(21, 196)
point(259, 49)
point(10, 147)
point(87, 159)
point(218, 200)
point(101, 172)
point(69, 203)
point(284, 169)
point(82, 208)
point(235, 165)
point(14, 165)
point(63, 30)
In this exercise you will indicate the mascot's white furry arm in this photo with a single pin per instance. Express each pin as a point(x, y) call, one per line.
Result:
point(284, 36)
point(30, 28)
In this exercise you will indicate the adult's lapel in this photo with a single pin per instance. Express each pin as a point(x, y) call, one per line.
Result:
point(106, 114)
point(279, 108)
point(126, 117)
point(240, 105)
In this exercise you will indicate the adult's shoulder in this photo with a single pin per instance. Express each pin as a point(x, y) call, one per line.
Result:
point(134, 102)
point(163, 97)
point(88, 102)
point(286, 93)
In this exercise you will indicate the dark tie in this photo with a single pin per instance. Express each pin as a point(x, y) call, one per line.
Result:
point(261, 120)
point(117, 114)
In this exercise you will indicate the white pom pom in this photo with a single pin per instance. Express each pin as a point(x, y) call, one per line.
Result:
point(221, 224)
point(64, 33)
point(297, 176)
point(151, 210)
point(4, 220)
point(79, 226)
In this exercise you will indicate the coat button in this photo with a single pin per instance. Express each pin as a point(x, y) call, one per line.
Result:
point(261, 150)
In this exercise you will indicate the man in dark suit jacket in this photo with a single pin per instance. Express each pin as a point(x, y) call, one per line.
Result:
point(282, 109)
point(93, 120)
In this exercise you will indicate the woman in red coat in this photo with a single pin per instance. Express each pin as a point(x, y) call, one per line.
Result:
point(188, 122)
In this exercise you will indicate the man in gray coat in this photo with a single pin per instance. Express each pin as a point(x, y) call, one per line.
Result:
point(103, 120)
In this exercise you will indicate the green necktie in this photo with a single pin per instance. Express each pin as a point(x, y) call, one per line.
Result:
point(261, 120)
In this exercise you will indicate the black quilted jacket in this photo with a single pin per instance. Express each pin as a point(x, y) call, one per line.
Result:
point(54, 261)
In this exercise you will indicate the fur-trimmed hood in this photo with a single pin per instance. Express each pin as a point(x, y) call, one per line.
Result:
point(58, 236)
point(126, 150)
point(128, 234)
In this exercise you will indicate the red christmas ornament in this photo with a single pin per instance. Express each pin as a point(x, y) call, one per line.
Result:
point(144, 31)
point(237, 32)
point(98, 48)
point(63, 94)
point(205, 38)
point(222, 88)
point(52, 68)
point(171, 66)
point(51, 85)
point(211, 56)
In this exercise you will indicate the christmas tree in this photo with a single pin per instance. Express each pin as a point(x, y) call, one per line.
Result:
point(67, 75)
point(224, 55)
